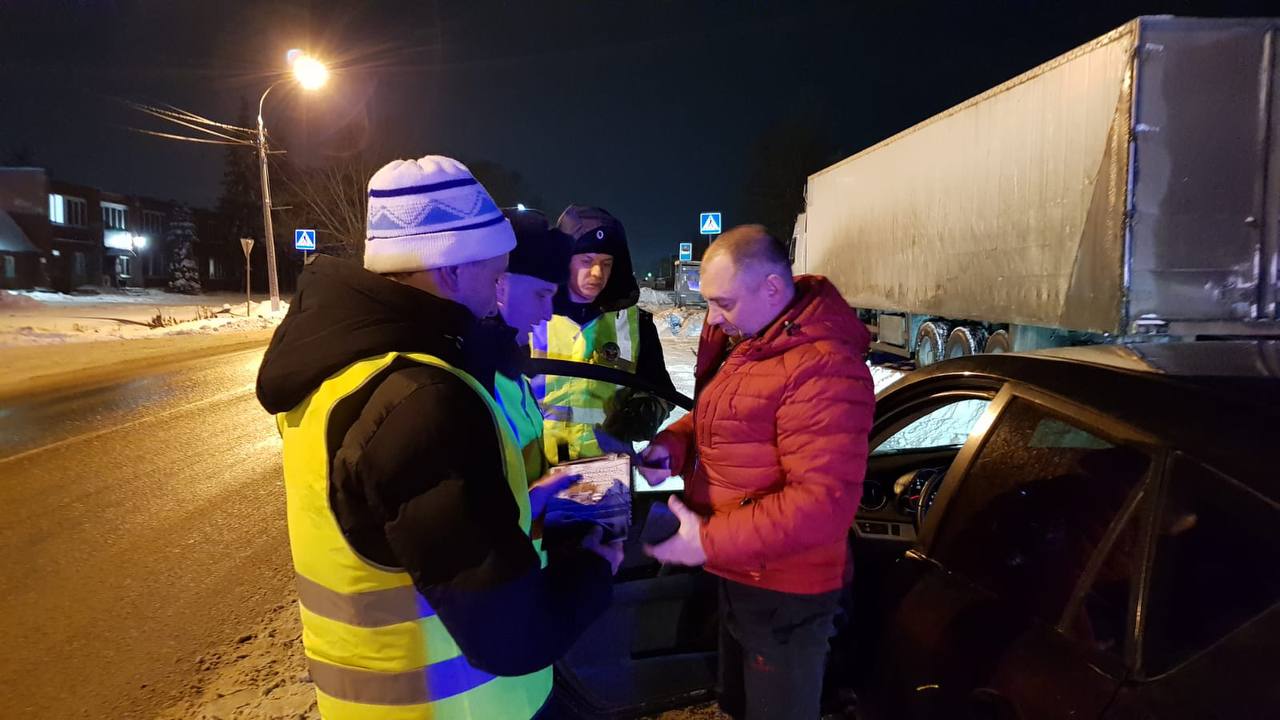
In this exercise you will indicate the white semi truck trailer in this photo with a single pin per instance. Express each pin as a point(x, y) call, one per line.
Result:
point(1126, 191)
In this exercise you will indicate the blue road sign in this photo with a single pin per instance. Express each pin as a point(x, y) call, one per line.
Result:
point(686, 251)
point(709, 223)
point(304, 239)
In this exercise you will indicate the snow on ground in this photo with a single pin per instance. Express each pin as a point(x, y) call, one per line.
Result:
point(263, 676)
point(883, 376)
point(650, 298)
point(131, 296)
point(45, 318)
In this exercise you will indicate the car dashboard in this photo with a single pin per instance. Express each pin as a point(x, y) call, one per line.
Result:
point(897, 492)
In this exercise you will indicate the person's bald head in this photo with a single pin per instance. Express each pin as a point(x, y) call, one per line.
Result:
point(746, 280)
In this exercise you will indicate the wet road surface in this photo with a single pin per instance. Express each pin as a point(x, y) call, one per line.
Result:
point(141, 524)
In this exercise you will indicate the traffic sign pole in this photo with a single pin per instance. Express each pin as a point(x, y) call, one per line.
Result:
point(246, 244)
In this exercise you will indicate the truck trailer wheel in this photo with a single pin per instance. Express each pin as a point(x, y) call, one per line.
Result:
point(999, 342)
point(965, 340)
point(931, 342)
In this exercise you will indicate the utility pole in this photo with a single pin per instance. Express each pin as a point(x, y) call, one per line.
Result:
point(273, 284)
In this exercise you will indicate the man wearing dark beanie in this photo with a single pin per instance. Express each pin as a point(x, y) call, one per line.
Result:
point(536, 269)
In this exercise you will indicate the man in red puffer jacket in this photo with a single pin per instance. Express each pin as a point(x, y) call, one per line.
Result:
point(773, 457)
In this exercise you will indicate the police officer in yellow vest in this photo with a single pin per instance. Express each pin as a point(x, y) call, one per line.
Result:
point(536, 268)
point(421, 593)
point(596, 321)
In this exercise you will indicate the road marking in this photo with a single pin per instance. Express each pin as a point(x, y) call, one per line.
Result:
point(226, 395)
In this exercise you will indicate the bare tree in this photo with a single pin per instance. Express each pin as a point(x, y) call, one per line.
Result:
point(333, 199)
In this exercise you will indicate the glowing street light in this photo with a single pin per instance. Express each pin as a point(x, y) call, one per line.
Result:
point(311, 74)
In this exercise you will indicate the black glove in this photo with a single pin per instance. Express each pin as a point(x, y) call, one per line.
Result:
point(634, 415)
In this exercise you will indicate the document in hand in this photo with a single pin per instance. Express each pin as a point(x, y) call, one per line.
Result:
point(602, 497)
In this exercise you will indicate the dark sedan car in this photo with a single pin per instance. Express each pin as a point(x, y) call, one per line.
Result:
point(1084, 533)
point(1094, 533)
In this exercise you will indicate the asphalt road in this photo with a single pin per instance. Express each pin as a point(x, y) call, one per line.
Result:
point(142, 524)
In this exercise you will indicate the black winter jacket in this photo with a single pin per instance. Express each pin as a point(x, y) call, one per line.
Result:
point(417, 478)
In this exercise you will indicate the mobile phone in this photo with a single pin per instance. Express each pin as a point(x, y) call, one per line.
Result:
point(659, 525)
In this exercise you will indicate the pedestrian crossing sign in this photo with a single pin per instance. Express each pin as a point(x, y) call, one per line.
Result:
point(304, 239)
point(709, 223)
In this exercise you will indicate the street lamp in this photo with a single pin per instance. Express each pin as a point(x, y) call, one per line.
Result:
point(311, 74)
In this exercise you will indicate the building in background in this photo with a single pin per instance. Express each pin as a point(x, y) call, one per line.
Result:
point(64, 236)
point(22, 254)
point(219, 255)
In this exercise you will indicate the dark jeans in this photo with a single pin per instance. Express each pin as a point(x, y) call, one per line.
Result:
point(773, 650)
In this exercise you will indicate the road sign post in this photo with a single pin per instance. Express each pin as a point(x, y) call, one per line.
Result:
point(709, 223)
point(246, 244)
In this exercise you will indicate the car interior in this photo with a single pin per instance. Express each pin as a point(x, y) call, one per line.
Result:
point(655, 648)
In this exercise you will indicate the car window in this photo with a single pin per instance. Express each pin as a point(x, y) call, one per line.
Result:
point(1217, 554)
point(947, 426)
point(1037, 500)
point(1103, 618)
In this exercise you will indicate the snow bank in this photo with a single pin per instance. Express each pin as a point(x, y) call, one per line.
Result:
point(51, 319)
point(232, 319)
point(130, 296)
point(883, 377)
point(17, 301)
point(650, 299)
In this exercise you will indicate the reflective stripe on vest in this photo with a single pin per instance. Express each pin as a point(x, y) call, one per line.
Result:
point(372, 609)
point(376, 648)
point(560, 413)
point(573, 406)
point(425, 685)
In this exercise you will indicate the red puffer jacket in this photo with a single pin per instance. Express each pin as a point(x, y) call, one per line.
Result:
point(775, 450)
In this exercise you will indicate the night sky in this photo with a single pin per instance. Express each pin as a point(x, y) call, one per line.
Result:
point(649, 109)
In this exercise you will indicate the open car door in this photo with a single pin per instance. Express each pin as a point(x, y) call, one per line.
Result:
point(655, 647)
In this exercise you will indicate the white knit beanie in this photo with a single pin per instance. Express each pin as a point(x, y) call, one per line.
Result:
point(430, 213)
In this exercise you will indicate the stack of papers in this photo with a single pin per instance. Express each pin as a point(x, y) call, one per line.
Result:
point(602, 497)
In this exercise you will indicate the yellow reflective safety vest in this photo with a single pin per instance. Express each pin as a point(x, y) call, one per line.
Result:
point(573, 406)
point(520, 407)
point(375, 647)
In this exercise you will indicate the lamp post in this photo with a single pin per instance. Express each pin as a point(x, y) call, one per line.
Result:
point(139, 243)
point(311, 74)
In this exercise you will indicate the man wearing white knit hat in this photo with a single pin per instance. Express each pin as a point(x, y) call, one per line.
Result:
point(421, 592)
